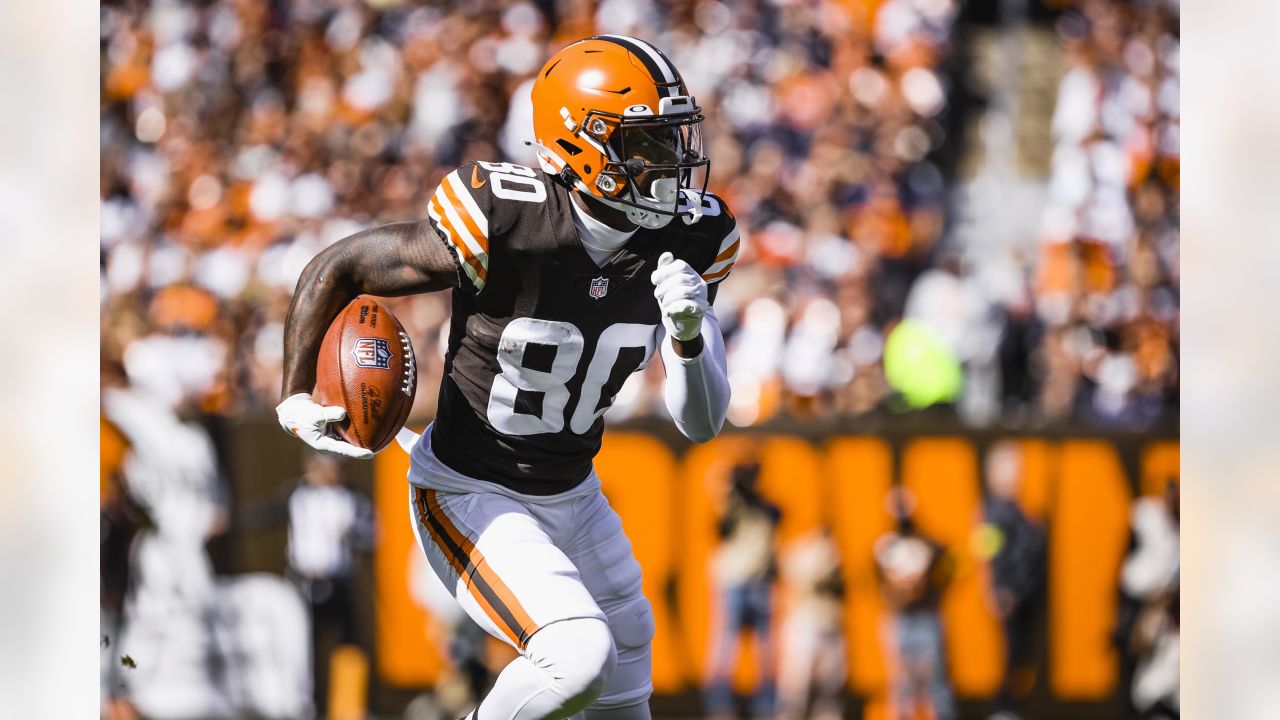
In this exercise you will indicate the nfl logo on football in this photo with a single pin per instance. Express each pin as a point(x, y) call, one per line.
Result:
point(599, 287)
point(372, 353)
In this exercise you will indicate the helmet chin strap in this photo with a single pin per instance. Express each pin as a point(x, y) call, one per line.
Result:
point(663, 192)
point(646, 219)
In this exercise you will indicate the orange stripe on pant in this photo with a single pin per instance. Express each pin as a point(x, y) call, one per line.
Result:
point(490, 592)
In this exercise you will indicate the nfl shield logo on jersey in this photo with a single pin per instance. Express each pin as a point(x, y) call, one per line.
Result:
point(599, 287)
point(372, 353)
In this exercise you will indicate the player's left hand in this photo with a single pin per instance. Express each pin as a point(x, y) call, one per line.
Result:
point(682, 297)
point(301, 416)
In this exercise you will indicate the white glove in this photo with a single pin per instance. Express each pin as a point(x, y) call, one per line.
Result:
point(302, 416)
point(682, 297)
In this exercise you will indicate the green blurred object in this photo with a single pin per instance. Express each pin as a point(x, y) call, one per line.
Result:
point(986, 541)
point(918, 364)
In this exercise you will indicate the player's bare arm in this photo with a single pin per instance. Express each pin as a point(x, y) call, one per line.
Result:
point(387, 261)
point(390, 260)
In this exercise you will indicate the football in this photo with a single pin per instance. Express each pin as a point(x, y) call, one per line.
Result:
point(366, 365)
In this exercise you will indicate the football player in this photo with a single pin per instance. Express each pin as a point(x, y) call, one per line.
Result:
point(565, 279)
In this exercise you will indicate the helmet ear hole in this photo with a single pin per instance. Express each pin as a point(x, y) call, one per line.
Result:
point(568, 147)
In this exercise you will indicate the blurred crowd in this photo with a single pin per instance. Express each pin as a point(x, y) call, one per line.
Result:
point(1107, 290)
point(239, 139)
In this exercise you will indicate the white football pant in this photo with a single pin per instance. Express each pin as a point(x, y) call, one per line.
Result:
point(555, 578)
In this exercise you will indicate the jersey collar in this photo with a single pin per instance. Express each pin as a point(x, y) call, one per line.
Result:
point(623, 266)
point(598, 238)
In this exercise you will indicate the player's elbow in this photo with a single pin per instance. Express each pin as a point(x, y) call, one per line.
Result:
point(327, 271)
point(322, 269)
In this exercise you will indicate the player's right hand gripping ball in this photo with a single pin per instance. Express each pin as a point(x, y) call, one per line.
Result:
point(682, 297)
point(366, 378)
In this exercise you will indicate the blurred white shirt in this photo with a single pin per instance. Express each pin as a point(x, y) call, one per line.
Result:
point(323, 521)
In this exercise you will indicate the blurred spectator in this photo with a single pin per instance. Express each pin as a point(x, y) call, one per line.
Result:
point(330, 527)
point(1149, 619)
point(951, 303)
point(1017, 561)
point(745, 566)
point(913, 571)
point(812, 671)
point(179, 642)
point(170, 477)
point(329, 523)
point(1020, 334)
point(122, 519)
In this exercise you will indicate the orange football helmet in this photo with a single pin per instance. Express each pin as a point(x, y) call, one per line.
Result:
point(614, 120)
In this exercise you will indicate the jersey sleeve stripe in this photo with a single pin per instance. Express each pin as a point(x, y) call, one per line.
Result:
point(729, 241)
point(724, 260)
point(717, 275)
point(723, 263)
point(467, 231)
point(480, 259)
point(462, 199)
point(730, 253)
point(437, 213)
point(474, 270)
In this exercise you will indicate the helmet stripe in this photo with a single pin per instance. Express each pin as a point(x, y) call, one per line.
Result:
point(664, 60)
point(654, 61)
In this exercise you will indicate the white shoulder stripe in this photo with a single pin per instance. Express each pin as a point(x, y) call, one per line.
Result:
point(720, 266)
point(723, 265)
point(462, 262)
point(472, 208)
point(729, 239)
point(461, 228)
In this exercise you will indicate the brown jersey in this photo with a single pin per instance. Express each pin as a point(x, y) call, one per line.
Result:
point(542, 338)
